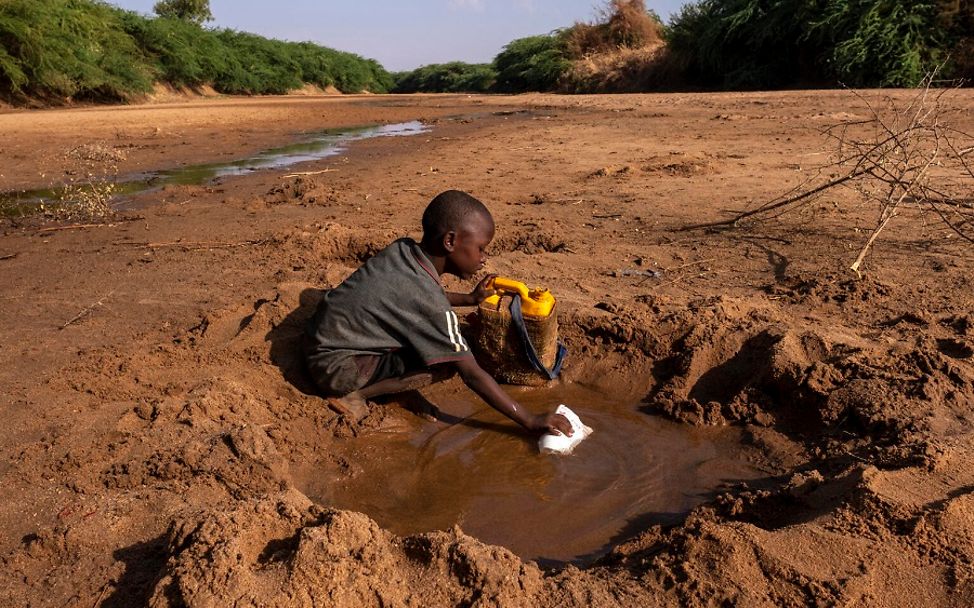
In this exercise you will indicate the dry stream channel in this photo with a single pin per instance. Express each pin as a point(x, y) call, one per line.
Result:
point(314, 147)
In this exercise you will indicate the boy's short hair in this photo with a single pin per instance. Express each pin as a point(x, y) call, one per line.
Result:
point(447, 212)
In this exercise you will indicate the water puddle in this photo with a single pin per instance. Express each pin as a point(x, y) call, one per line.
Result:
point(316, 147)
point(476, 470)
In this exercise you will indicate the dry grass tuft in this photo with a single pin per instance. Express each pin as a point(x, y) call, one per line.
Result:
point(91, 186)
point(622, 24)
point(82, 201)
point(621, 70)
point(622, 52)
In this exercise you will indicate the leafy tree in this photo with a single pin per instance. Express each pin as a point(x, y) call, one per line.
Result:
point(777, 43)
point(453, 77)
point(535, 63)
point(194, 11)
point(68, 48)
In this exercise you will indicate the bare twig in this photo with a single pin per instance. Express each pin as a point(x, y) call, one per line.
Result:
point(194, 245)
point(9, 256)
point(87, 310)
point(900, 155)
point(771, 206)
point(74, 227)
point(302, 173)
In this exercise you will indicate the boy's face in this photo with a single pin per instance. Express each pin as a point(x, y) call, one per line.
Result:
point(467, 249)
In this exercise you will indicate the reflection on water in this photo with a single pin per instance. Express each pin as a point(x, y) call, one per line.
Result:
point(317, 147)
point(486, 476)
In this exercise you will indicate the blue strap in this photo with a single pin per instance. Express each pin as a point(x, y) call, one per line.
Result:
point(529, 348)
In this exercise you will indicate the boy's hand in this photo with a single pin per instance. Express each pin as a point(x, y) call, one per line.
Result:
point(481, 292)
point(550, 423)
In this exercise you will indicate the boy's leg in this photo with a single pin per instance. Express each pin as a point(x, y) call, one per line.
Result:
point(354, 405)
point(409, 383)
point(389, 374)
point(389, 386)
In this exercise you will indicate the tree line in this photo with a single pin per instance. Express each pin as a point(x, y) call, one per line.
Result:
point(88, 49)
point(736, 44)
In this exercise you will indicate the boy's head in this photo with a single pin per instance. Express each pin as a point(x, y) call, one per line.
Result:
point(458, 227)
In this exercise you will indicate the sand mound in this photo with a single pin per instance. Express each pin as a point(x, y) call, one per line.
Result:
point(283, 550)
point(215, 425)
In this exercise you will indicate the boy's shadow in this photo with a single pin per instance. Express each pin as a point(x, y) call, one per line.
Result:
point(287, 342)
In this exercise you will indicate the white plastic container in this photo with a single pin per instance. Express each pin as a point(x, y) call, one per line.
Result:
point(556, 443)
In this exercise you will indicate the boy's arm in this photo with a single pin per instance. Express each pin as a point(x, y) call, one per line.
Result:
point(480, 293)
point(484, 385)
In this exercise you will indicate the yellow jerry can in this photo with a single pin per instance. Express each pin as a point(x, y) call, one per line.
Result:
point(525, 352)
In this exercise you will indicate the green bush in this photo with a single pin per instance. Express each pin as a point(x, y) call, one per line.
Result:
point(776, 43)
point(743, 43)
point(184, 53)
point(68, 48)
point(885, 42)
point(535, 63)
point(89, 49)
point(256, 65)
point(454, 77)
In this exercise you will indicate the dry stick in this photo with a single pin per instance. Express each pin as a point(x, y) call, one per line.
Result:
point(944, 219)
point(9, 256)
point(87, 310)
point(101, 595)
point(190, 246)
point(308, 173)
point(74, 227)
point(891, 213)
point(771, 207)
point(857, 171)
point(683, 278)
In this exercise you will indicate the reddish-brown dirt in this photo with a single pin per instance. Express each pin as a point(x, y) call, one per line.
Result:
point(155, 417)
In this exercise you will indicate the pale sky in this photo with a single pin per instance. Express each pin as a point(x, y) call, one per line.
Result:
point(405, 35)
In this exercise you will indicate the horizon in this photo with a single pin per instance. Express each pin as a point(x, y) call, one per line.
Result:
point(471, 31)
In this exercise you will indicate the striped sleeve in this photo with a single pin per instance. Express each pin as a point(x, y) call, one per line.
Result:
point(437, 338)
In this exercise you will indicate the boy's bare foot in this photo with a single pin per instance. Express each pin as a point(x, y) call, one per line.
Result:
point(352, 406)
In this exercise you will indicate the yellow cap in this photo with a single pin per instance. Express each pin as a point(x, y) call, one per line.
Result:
point(536, 303)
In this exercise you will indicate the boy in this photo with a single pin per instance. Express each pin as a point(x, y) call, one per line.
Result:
point(390, 327)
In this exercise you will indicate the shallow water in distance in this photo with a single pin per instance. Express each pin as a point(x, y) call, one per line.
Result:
point(315, 147)
point(476, 469)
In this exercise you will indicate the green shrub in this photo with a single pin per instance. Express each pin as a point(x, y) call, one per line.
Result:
point(776, 43)
point(68, 48)
point(535, 63)
point(743, 43)
point(184, 53)
point(256, 65)
point(454, 77)
point(89, 49)
point(884, 42)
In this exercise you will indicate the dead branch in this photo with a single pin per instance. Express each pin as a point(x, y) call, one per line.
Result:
point(87, 310)
point(901, 154)
point(9, 256)
point(302, 173)
point(194, 245)
point(75, 227)
point(771, 206)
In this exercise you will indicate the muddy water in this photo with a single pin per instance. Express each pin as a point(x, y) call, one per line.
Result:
point(474, 468)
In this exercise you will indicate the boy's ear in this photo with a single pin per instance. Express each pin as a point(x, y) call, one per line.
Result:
point(450, 241)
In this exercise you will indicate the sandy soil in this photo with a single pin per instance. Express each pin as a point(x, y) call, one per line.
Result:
point(155, 419)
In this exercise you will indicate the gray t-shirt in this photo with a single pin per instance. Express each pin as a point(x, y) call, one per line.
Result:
point(395, 300)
